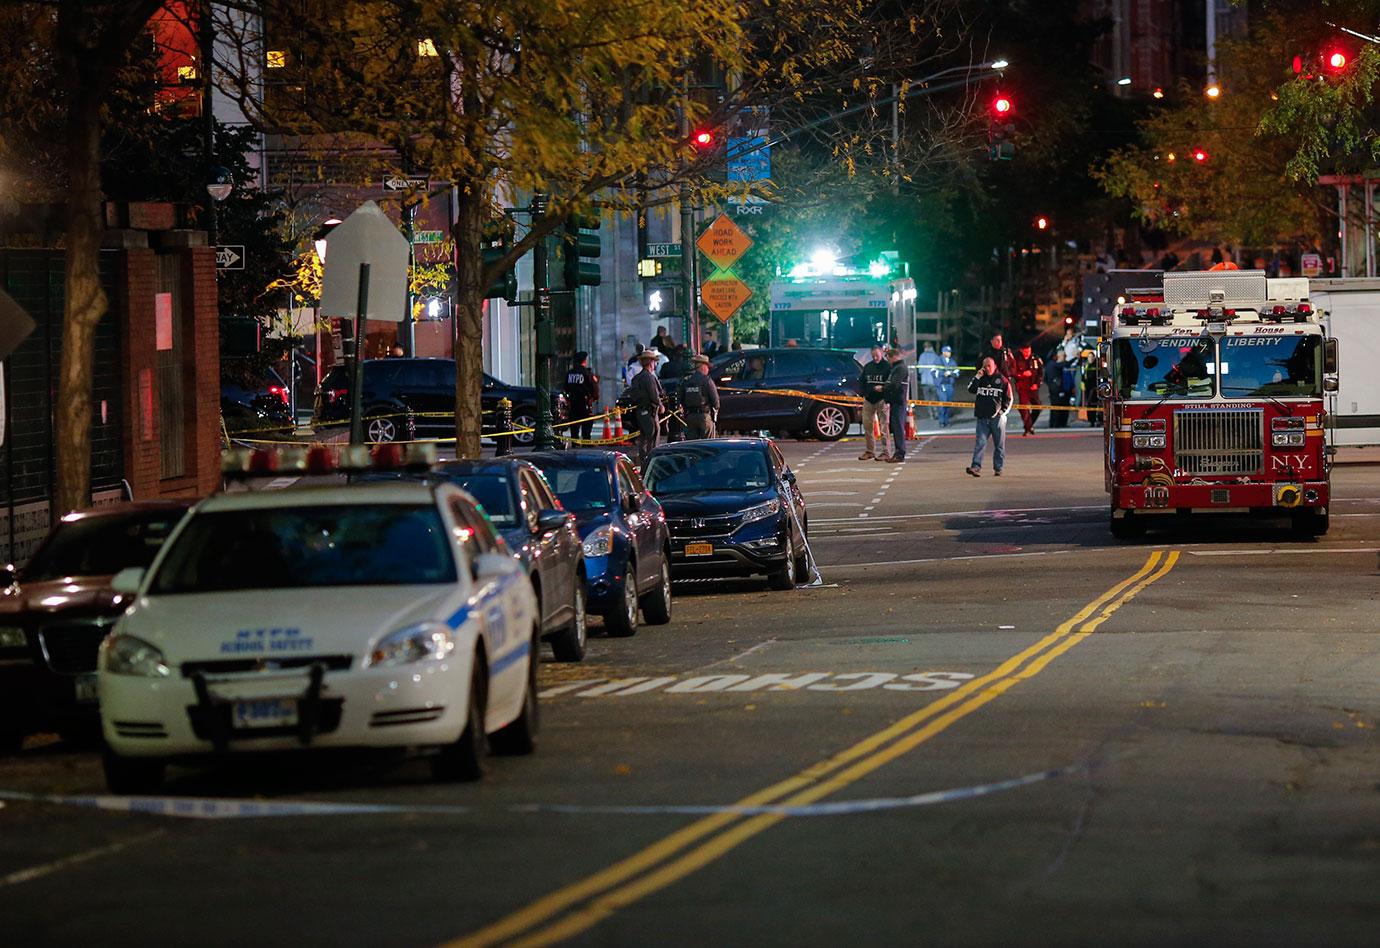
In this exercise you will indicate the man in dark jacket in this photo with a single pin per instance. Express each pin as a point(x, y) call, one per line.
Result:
point(1060, 384)
point(648, 400)
point(992, 401)
point(898, 402)
point(582, 394)
point(699, 401)
point(999, 354)
point(872, 387)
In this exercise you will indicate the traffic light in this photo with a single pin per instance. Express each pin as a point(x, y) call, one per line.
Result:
point(497, 241)
point(1200, 156)
point(579, 243)
point(1336, 60)
point(703, 139)
point(1000, 130)
point(1042, 223)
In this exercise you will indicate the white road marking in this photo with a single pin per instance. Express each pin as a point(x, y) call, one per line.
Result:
point(57, 865)
point(833, 493)
point(738, 683)
point(836, 503)
point(1315, 551)
point(960, 513)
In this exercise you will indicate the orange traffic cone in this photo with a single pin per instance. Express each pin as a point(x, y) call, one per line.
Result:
point(876, 427)
point(607, 434)
point(910, 427)
point(619, 435)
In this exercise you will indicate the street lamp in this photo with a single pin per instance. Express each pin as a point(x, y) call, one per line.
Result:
point(1213, 91)
point(1124, 81)
point(219, 183)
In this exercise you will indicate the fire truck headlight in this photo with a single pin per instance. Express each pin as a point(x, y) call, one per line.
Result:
point(1147, 441)
point(1287, 439)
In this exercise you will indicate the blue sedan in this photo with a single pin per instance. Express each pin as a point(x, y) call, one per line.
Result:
point(626, 543)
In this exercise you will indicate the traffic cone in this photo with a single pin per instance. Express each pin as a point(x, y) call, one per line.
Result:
point(619, 435)
point(910, 427)
point(876, 427)
point(607, 434)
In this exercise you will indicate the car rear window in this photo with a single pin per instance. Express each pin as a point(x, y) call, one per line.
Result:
point(308, 547)
point(580, 488)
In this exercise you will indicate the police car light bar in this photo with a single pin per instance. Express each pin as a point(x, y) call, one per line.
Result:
point(238, 463)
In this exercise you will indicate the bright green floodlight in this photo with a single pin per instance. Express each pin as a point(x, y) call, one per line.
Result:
point(878, 269)
point(823, 261)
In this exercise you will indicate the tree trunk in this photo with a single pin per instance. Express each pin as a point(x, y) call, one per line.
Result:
point(84, 305)
point(468, 313)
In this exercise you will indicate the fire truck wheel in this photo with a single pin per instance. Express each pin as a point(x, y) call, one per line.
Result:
point(1310, 523)
point(1127, 527)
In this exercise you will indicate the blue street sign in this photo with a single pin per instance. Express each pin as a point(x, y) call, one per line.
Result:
point(749, 159)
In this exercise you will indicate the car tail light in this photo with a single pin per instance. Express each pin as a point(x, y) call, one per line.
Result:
point(334, 395)
point(280, 391)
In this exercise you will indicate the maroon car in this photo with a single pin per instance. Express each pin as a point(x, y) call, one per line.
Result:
point(55, 611)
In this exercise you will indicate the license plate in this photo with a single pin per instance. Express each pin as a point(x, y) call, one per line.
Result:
point(699, 549)
point(85, 687)
point(265, 712)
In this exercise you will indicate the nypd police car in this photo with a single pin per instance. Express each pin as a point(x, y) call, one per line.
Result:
point(382, 615)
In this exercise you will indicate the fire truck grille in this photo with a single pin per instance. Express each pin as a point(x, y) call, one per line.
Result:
point(1226, 441)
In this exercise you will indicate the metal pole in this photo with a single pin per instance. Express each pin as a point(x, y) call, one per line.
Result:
point(1211, 16)
point(208, 117)
point(409, 324)
point(357, 382)
point(687, 264)
point(545, 436)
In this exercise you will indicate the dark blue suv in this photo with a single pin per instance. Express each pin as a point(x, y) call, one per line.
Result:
point(733, 509)
point(627, 548)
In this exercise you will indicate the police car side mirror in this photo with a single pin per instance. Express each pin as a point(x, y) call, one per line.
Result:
point(128, 580)
point(493, 565)
point(632, 503)
point(788, 476)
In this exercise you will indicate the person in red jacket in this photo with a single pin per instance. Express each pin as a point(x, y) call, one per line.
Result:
point(1027, 372)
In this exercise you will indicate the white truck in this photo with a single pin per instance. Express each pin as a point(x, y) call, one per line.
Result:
point(1350, 308)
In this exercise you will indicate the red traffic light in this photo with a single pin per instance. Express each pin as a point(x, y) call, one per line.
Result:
point(1298, 65)
point(702, 139)
point(1336, 60)
point(1199, 155)
point(1002, 105)
point(1042, 223)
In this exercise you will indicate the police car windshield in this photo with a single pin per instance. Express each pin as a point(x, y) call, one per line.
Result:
point(307, 547)
point(693, 469)
point(1167, 366)
point(101, 545)
point(580, 488)
point(1271, 365)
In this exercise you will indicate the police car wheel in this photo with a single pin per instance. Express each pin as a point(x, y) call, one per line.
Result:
point(622, 620)
point(568, 645)
point(829, 422)
point(132, 775)
point(656, 605)
point(464, 760)
point(784, 578)
point(520, 737)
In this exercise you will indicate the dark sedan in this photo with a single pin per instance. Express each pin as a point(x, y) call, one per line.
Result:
point(733, 509)
point(627, 548)
point(538, 530)
point(57, 609)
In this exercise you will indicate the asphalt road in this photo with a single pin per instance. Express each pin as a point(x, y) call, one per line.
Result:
point(991, 724)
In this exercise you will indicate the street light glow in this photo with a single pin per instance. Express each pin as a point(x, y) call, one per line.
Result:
point(1000, 64)
point(1158, 93)
point(1124, 81)
point(823, 260)
point(1213, 91)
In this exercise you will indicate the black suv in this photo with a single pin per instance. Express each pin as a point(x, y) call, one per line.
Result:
point(425, 388)
point(747, 378)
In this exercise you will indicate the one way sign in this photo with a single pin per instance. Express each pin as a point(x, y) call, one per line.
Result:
point(398, 182)
point(230, 257)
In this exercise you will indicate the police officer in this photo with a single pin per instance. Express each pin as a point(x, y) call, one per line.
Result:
point(648, 400)
point(897, 389)
point(699, 400)
point(582, 394)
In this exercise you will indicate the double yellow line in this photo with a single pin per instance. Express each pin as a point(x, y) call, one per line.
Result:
point(582, 905)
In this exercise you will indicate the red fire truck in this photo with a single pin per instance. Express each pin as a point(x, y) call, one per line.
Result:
point(1213, 387)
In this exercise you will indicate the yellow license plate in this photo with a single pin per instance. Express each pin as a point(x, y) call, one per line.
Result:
point(699, 549)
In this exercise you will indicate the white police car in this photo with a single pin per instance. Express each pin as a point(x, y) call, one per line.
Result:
point(377, 615)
